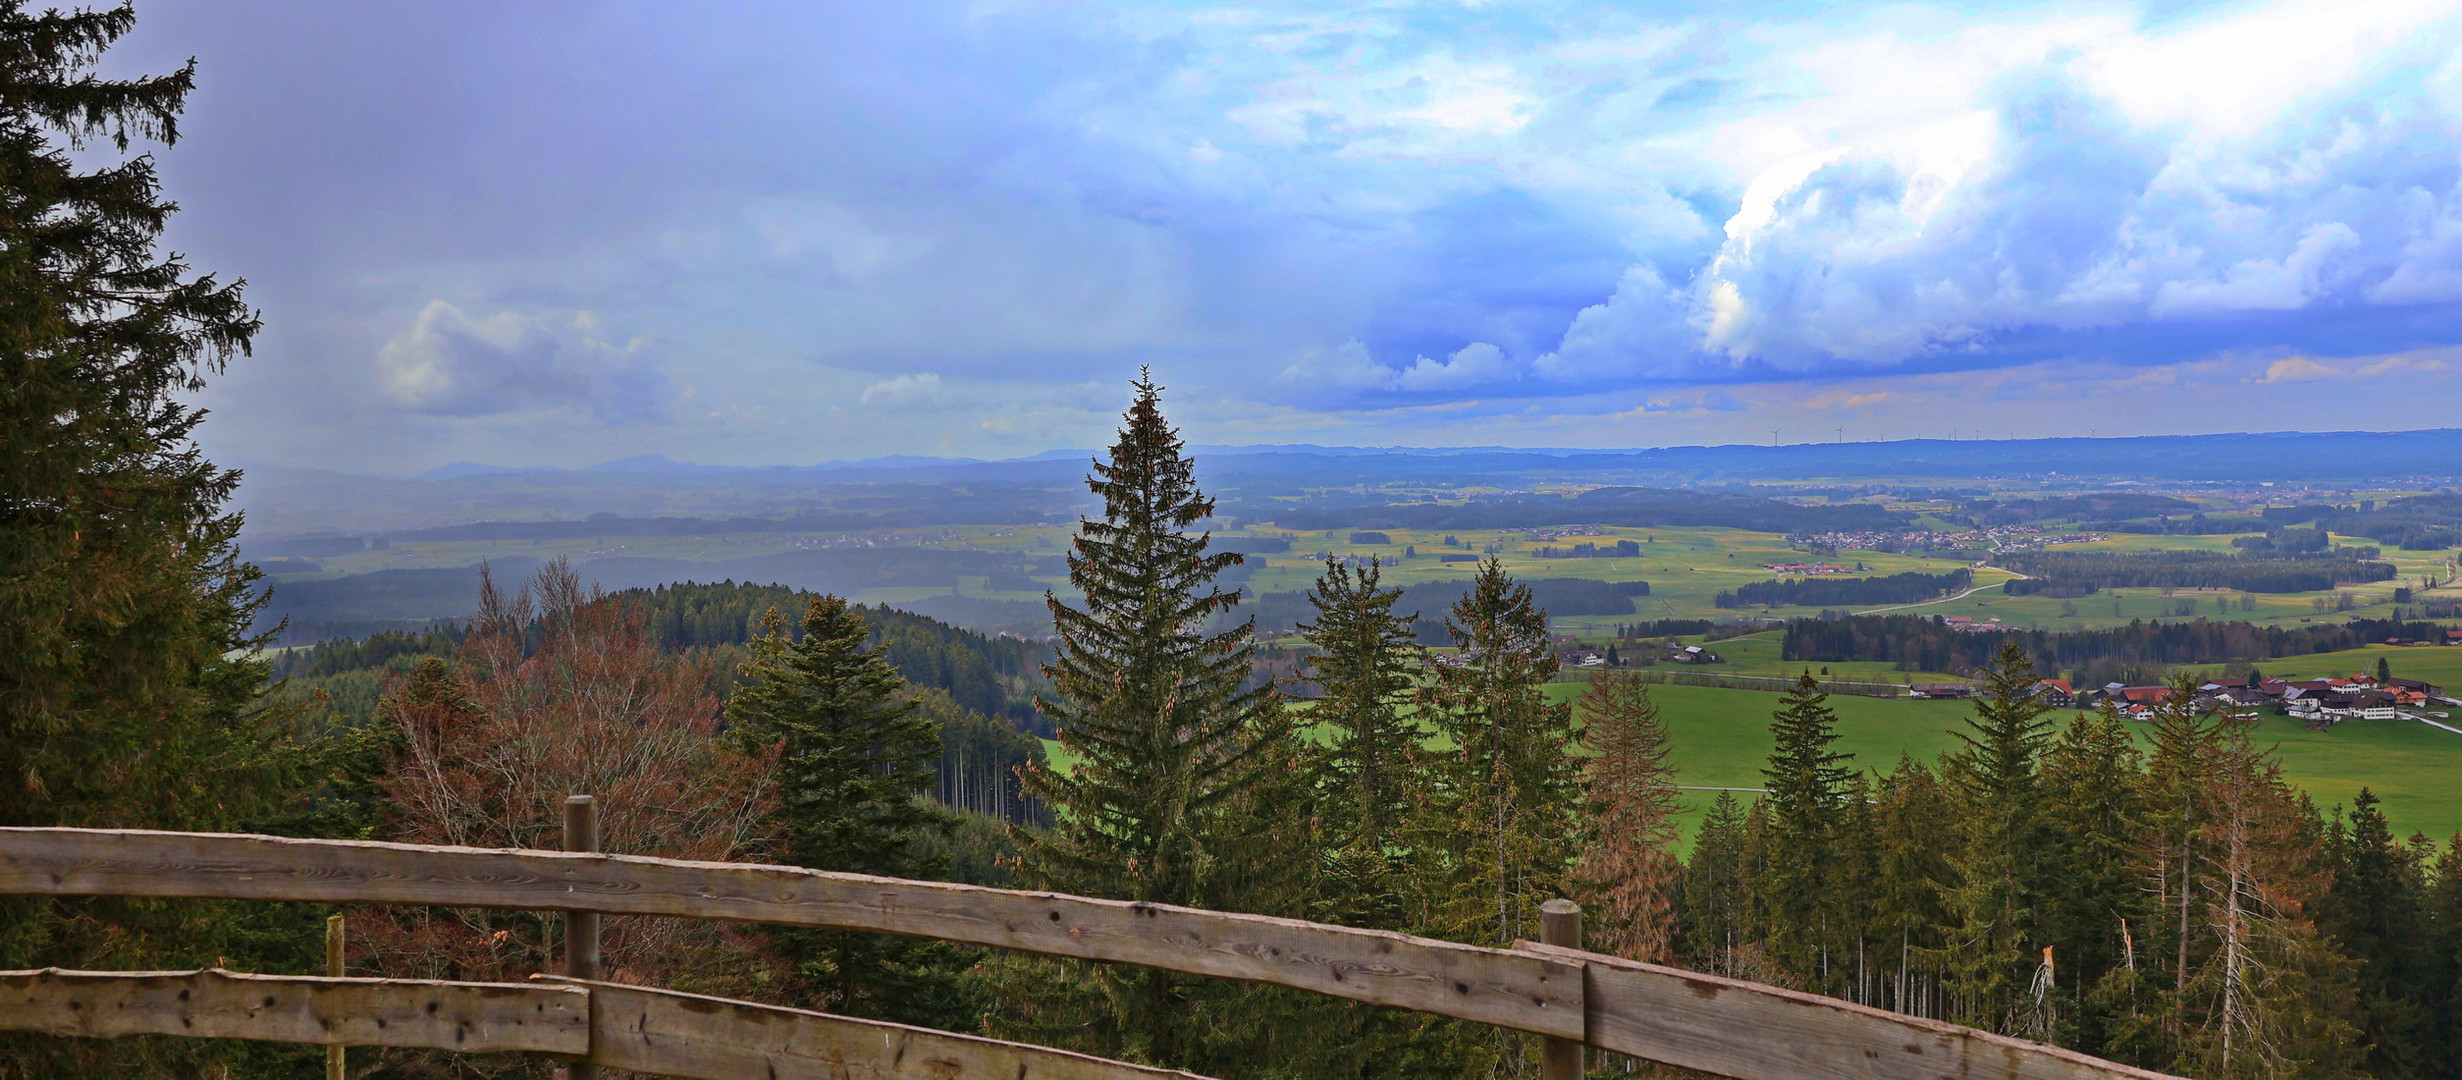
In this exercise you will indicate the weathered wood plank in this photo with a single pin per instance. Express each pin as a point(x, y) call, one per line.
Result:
point(213, 1004)
point(687, 1035)
point(1756, 1032)
point(1528, 992)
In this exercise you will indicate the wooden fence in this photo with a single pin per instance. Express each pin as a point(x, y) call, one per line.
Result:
point(1724, 1026)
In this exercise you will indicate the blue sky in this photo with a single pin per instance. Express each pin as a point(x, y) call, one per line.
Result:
point(561, 234)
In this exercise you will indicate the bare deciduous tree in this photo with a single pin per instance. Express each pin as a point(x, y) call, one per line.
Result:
point(560, 691)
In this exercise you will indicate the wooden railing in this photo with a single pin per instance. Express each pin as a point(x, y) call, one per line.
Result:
point(1704, 1022)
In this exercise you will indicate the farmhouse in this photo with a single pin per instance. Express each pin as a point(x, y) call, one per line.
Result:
point(2134, 702)
point(1941, 690)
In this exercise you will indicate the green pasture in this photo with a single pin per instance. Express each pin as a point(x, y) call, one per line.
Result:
point(1721, 738)
point(1722, 735)
point(1686, 567)
point(2441, 665)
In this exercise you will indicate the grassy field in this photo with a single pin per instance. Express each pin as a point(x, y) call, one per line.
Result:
point(1721, 738)
point(1722, 735)
point(1758, 654)
point(1686, 567)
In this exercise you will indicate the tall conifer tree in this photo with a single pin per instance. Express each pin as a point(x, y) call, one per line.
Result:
point(1628, 875)
point(1918, 828)
point(1996, 946)
point(1509, 801)
point(2268, 995)
point(128, 681)
point(2377, 911)
point(1714, 907)
point(2095, 913)
point(1807, 780)
point(1503, 819)
point(2442, 1034)
point(2176, 860)
point(122, 599)
point(1183, 769)
point(856, 765)
point(1363, 671)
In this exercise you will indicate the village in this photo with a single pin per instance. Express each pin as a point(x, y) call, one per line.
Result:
point(2321, 702)
point(2001, 538)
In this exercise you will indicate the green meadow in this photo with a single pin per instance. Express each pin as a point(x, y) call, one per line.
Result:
point(1720, 739)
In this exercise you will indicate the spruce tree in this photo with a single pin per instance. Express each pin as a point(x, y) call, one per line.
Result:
point(123, 604)
point(2175, 858)
point(1714, 906)
point(1858, 919)
point(2442, 1034)
point(856, 765)
point(1996, 947)
point(1917, 829)
point(2095, 914)
point(1807, 780)
point(1628, 875)
point(1363, 671)
point(1507, 795)
point(1183, 768)
point(129, 685)
point(2377, 911)
point(1502, 819)
point(2267, 995)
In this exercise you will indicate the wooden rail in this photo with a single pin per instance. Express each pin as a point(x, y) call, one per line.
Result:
point(1716, 1025)
point(1745, 1029)
point(673, 1034)
point(214, 1004)
point(592, 1023)
point(1527, 992)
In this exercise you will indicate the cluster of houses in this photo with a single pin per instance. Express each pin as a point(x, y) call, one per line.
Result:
point(1998, 537)
point(1807, 569)
point(1971, 625)
point(1674, 652)
point(2319, 701)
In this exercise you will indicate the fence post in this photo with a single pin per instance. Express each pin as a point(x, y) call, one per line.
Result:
point(1560, 924)
point(337, 1059)
point(581, 960)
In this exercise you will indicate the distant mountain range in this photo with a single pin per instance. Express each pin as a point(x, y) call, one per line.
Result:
point(1264, 482)
point(2280, 456)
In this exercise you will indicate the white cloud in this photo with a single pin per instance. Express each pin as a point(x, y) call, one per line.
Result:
point(1349, 366)
point(917, 391)
point(1905, 181)
point(2264, 285)
point(446, 363)
point(1474, 365)
point(2243, 72)
point(2431, 266)
point(1400, 209)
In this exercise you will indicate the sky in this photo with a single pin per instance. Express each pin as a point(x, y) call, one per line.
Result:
point(560, 234)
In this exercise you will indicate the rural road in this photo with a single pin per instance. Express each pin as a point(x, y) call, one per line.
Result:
point(1946, 599)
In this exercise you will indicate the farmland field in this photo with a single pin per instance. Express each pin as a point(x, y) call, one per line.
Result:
point(1721, 738)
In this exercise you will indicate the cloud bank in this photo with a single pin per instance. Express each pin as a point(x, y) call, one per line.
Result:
point(931, 229)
